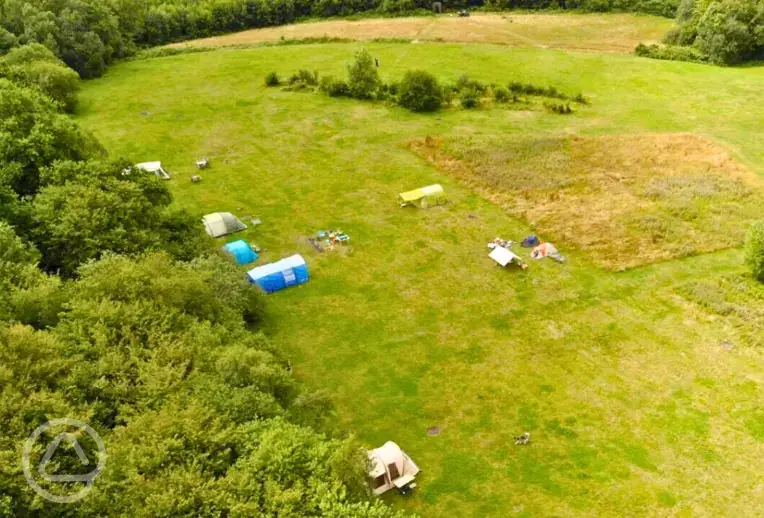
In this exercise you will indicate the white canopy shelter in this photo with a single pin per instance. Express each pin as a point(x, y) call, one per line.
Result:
point(503, 256)
point(154, 167)
point(390, 468)
point(222, 223)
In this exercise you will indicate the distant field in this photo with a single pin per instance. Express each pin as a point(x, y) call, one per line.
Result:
point(613, 32)
point(625, 200)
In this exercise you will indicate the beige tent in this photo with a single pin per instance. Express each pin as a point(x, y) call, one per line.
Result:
point(222, 223)
point(391, 468)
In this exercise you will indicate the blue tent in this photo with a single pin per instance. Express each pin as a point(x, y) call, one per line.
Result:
point(279, 275)
point(241, 251)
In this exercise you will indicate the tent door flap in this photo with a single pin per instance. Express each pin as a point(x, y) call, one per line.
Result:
point(289, 276)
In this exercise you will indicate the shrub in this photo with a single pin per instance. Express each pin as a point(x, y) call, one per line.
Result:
point(579, 98)
point(754, 250)
point(465, 83)
point(559, 108)
point(419, 92)
point(501, 95)
point(272, 79)
point(469, 99)
point(671, 53)
point(304, 77)
point(334, 87)
point(363, 78)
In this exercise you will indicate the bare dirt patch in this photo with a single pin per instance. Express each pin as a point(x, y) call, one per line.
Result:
point(626, 200)
point(613, 32)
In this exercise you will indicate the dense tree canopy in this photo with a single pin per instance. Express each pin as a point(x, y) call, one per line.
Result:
point(35, 66)
point(33, 134)
point(200, 415)
point(726, 31)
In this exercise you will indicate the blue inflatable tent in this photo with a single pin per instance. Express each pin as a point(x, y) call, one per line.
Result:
point(241, 251)
point(279, 275)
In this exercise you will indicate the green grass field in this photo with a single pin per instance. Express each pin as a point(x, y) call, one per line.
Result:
point(636, 403)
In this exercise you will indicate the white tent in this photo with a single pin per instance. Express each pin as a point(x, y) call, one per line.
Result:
point(222, 223)
point(390, 468)
point(154, 167)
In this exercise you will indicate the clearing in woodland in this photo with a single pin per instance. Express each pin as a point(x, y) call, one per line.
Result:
point(642, 389)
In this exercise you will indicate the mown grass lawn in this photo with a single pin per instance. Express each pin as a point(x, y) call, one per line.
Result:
point(634, 407)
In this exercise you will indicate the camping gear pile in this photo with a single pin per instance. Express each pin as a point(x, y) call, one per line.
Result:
point(423, 197)
point(328, 239)
point(504, 243)
point(280, 275)
point(523, 439)
point(501, 253)
point(530, 241)
point(547, 250)
point(391, 468)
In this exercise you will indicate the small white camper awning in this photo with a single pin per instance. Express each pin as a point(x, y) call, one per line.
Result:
point(154, 167)
point(502, 256)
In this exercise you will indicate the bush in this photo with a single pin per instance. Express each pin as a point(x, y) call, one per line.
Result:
point(469, 99)
point(334, 87)
point(419, 92)
point(671, 53)
point(272, 79)
point(363, 78)
point(579, 98)
point(501, 95)
point(465, 83)
point(559, 108)
point(304, 77)
point(754, 250)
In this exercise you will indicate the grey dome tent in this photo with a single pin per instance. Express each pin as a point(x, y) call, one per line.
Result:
point(222, 223)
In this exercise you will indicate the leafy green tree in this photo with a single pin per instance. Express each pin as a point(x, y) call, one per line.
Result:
point(86, 209)
point(731, 31)
point(35, 66)
point(754, 250)
point(363, 78)
point(419, 92)
point(33, 135)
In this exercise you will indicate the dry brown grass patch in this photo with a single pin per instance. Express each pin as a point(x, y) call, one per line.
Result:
point(612, 32)
point(626, 200)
